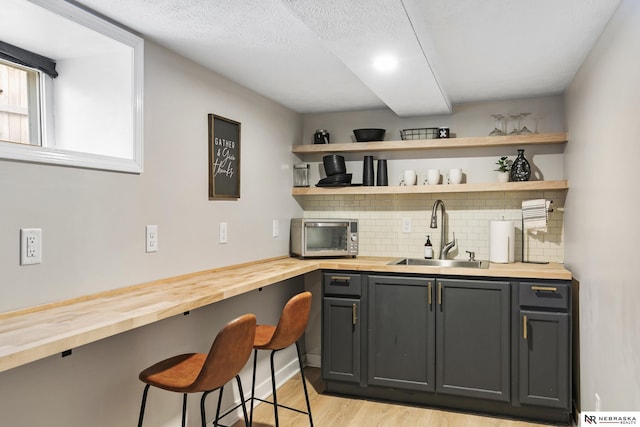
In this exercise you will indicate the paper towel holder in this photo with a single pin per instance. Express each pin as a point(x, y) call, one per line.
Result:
point(525, 261)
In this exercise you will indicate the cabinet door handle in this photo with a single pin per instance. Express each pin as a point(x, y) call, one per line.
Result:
point(354, 314)
point(429, 294)
point(524, 327)
point(544, 288)
point(440, 293)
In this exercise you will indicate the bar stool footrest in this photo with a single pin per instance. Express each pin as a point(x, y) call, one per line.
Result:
point(280, 405)
point(239, 405)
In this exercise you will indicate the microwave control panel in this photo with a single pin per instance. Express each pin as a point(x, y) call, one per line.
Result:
point(353, 238)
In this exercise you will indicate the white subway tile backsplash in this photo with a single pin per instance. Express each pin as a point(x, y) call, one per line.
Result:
point(468, 215)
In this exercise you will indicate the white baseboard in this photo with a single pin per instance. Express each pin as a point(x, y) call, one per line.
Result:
point(313, 360)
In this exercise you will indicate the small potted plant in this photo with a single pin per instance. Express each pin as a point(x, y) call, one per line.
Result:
point(504, 166)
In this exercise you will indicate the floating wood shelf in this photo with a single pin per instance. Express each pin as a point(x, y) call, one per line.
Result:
point(434, 189)
point(429, 144)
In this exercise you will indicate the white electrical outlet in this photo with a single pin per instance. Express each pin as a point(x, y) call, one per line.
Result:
point(30, 246)
point(406, 225)
point(222, 236)
point(598, 405)
point(152, 238)
point(275, 232)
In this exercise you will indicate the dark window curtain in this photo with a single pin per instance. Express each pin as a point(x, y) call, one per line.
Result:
point(20, 56)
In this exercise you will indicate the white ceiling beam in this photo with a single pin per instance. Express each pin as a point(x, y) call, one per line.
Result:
point(358, 31)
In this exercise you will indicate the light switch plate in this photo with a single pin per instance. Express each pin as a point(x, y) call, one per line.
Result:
point(223, 236)
point(30, 246)
point(152, 238)
point(275, 232)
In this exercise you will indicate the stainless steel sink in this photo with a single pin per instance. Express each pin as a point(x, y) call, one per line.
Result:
point(441, 263)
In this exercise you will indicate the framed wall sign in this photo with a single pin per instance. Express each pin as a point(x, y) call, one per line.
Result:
point(224, 158)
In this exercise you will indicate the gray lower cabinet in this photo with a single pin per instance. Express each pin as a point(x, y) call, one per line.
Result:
point(341, 327)
point(500, 346)
point(473, 338)
point(401, 329)
point(456, 343)
point(544, 345)
point(341, 339)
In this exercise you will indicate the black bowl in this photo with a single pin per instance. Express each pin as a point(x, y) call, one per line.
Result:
point(340, 180)
point(365, 135)
point(334, 164)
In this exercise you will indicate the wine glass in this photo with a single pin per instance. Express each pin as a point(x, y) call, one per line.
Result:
point(524, 130)
point(497, 131)
point(516, 126)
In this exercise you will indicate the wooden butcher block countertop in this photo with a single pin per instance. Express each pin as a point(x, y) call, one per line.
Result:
point(34, 333)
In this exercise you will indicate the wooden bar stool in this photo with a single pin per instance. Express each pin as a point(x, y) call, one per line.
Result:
point(291, 326)
point(199, 372)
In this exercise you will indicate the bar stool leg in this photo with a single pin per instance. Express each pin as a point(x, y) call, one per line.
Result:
point(215, 422)
point(184, 409)
point(203, 417)
point(244, 406)
point(273, 386)
point(144, 403)
point(274, 391)
point(304, 385)
point(253, 385)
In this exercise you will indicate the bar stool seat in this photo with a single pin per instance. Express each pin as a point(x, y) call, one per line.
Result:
point(199, 372)
point(176, 373)
point(264, 333)
point(291, 326)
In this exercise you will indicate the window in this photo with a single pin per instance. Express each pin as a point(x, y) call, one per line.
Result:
point(24, 75)
point(19, 104)
point(85, 110)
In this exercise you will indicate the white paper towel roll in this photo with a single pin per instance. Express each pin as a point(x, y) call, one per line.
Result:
point(501, 241)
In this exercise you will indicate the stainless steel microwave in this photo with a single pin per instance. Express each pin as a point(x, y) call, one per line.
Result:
point(324, 237)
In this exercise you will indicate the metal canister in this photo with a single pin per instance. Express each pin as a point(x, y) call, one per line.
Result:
point(301, 175)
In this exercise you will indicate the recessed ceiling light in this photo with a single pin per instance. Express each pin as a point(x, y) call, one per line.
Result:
point(385, 63)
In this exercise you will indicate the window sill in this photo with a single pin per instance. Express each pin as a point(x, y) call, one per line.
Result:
point(33, 154)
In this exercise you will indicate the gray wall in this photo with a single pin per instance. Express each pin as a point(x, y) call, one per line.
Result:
point(93, 240)
point(601, 231)
point(93, 221)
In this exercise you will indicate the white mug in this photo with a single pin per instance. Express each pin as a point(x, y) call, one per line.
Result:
point(432, 177)
point(454, 176)
point(408, 178)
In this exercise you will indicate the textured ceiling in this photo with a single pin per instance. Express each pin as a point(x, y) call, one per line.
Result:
point(316, 56)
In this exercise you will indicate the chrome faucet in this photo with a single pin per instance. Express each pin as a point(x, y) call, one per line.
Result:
point(444, 247)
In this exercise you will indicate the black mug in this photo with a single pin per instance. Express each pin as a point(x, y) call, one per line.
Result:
point(321, 137)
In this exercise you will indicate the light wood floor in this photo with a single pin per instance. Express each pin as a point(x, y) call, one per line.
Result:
point(336, 411)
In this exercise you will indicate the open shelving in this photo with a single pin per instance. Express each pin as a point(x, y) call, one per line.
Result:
point(431, 189)
point(429, 144)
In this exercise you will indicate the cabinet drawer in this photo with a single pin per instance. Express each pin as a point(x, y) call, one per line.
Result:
point(341, 284)
point(547, 295)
